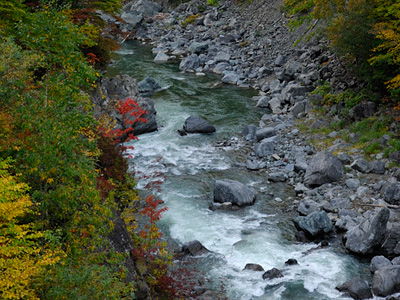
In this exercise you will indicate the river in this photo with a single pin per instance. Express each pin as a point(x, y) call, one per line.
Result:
point(187, 167)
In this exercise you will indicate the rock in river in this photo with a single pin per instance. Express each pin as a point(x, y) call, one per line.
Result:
point(197, 125)
point(233, 191)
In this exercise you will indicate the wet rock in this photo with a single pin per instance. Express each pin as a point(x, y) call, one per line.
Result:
point(230, 78)
point(161, 58)
point(379, 262)
point(197, 125)
point(391, 193)
point(314, 224)
point(249, 132)
point(190, 63)
point(254, 267)
point(272, 274)
point(357, 288)
point(324, 167)
point(194, 248)
point(265, 132)
point(233, 191)
point(386, 281)
point(291, 262)
point(368, 235)
point(360, 165)
point(148, 85)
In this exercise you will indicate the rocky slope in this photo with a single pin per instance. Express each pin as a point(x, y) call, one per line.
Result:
point(339, 191)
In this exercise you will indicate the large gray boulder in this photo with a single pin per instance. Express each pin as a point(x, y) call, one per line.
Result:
point(194, 248)
point(379, 262)
point(324, 167)
point(314, 224)
point(149, 125)
point(386, 281)
point(266, 147)
point(362, 110)
point(357, 288)
point(265, 132)
point(391, 246)
point(368, 235)
point(190, 63)
point(233, 191)
point(197, 125)
point(148, 85)
point(230, 77)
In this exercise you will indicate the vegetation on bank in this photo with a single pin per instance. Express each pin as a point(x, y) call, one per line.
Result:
point(365, 35)
point(63, 178)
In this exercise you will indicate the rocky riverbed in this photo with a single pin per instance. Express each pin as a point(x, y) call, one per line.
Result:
point(339, 192)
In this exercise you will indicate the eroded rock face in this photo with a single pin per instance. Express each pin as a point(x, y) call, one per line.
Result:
point(324, 167)
point(233, 191)
point(368, 235)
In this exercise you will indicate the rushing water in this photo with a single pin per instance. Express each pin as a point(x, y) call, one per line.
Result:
point(188, 166)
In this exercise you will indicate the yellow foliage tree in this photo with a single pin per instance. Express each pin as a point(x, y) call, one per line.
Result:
point(21, 258)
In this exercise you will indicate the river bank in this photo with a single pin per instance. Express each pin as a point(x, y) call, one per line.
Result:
point(345, 189)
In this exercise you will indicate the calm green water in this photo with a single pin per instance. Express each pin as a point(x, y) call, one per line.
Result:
point(188, 166)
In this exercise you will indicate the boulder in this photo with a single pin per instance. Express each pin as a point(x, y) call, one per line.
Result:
point(391, 246)
point(266, 147)
point(395, 156)
point(249, 132)
point(314, 224)
point(277, 177)
point(197, 125)
point(308, 206)
point(265, 132)
point(161, 57)
point(386, 281)
point(360, 165)
point(151, 123)
point(119, 87)
point(291, 262)
point(190, 63)
point(197, 47)
point(368, 235)
point(132, 20)
point(254, 267)
point(324, 167)
point(379, 262)
point(272, 274)
point(391, 193)
point(233, 191)
point(377, 167)
point(194, 248)
point(230, 77)
point(148, 85)
point(357, 288)
point(362, 110)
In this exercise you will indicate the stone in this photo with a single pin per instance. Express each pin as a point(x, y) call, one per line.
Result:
point(360, 165)
point(190, 63)
point(362, 110)
point(161, 58)
point(148, 85)
point(391, 246)
point(353, 183)
point(265, 132)
point(195, 124)
point(280, 60)
point(197, 47)
point(396, 260)
point(230, 77)
point(275, 105)
point(222, 57)
point(263, 102)
point(145, 7)
point(233, 191)
point(291, 262)
point(194, 248)
point(314, 224)
point(357, 288)
point(379, 262)
point(266, 147)
point(150, 125)
point(277, 177)
point(254, 267)
point(395, 156)
point(386, 281)
point(308, 206)
point(249, 132)
point(377, 167)
point(132, 19)
point(323, 168)
point(391, 193)
point(272, 274)
point(365, 237)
